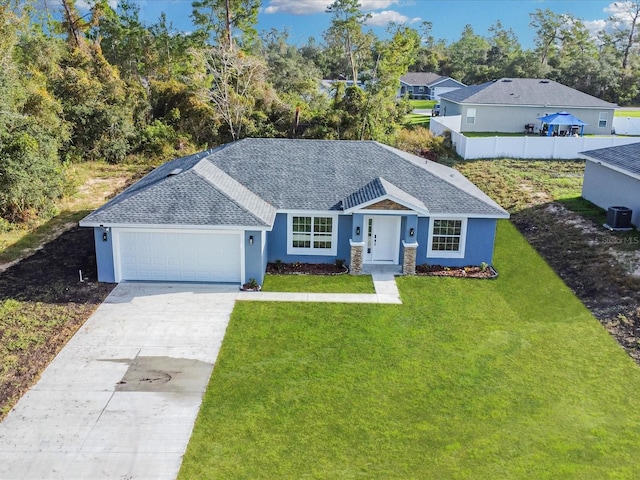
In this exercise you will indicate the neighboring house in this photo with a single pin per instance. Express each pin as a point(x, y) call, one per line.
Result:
point(510, 104)
point(427, 85)
point(222, 214)
point(612, 178)
point(328, 86)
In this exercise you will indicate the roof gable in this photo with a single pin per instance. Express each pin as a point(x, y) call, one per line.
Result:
point(382, 195)
point(525, 91)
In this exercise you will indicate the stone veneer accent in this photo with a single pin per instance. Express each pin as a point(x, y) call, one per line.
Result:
point(355, 266)
point(386, 205)
point(409, 258)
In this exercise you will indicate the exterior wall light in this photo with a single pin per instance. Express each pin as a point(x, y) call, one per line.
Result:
point(412, 232)
point(357, 230)
point(105, 233)
point(250, 239)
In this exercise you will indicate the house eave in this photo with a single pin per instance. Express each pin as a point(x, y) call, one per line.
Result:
point(529, 105)
point(615, 168)
point(174, 226)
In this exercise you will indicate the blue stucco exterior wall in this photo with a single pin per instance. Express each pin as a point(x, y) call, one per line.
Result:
point(271, 246)
point(481, 233)
point(254, 258)
point(277, 243)
point(104, 256)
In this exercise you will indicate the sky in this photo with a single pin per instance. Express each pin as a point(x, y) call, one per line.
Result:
point(307, 18)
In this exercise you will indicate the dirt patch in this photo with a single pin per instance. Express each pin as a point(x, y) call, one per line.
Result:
point(46, 287)
point(601, 267)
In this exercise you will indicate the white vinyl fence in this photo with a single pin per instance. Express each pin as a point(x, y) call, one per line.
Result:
point(626, 125)
point(521, 147)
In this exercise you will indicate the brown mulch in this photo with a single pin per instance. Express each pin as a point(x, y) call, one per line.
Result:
point(462, 272)
point(281, 268)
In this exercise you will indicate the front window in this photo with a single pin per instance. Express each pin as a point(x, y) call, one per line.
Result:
point(471, 115)
point(312, 234)
point(447, 238)
point(602, 119)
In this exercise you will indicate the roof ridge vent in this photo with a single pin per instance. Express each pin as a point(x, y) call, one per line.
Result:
point(507, 80)
point(173, 172)
point(544, 81)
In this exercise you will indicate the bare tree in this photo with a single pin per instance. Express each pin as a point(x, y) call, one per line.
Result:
point(625, 22)
point(236, 80)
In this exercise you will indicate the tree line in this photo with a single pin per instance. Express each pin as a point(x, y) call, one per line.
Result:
point(104, 85)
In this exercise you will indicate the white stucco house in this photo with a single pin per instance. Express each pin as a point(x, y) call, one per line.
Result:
point(511, 104)
point(612, 178)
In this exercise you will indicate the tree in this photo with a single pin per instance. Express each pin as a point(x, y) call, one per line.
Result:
point(431, 53)
point(346, 33)
point(467, 58)
point(550, 29)
point(625, 23)
point(237, 85)
point(220, 20)
point(504, 52)
point(382, 112)
point(30, 128)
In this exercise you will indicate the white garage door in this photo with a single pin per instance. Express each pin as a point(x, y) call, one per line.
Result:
point(163, 255)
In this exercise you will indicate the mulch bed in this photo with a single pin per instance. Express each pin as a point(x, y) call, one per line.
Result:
point(471, 271)
point(299, 268)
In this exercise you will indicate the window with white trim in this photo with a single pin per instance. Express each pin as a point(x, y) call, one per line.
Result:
point(471, 115)
point(312, 234)
point(603, 119)
point(447, 237)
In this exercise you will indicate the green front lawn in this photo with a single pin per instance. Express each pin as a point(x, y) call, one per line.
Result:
point(422, 104)
point(469, 379)
point(319, 284)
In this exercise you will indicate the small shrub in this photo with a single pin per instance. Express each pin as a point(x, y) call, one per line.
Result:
point(340, 262)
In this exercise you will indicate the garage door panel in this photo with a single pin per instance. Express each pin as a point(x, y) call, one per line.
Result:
point(180, 256)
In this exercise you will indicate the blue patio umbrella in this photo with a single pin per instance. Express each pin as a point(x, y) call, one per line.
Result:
point(562, 118)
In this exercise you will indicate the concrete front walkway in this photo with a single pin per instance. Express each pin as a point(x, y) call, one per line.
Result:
point(120, 400)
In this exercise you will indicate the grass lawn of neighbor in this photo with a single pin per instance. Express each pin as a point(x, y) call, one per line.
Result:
point(510, 378)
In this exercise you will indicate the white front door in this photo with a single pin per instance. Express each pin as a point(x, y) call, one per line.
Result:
point(383, 239)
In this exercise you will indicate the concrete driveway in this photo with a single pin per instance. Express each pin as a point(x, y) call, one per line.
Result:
point(120, 400)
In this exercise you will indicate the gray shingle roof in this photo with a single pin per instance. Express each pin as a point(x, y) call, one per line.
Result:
point(623, 157)
point(525, 91)
point(422, 78)
point(245, 182)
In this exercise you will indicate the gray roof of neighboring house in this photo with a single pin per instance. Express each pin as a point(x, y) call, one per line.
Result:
point(621, 157)
point(424, 78)
point(244, 183)
point(525, 92)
